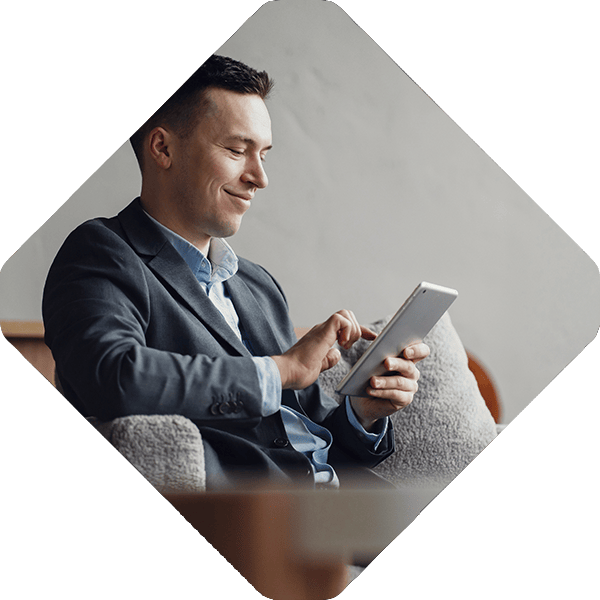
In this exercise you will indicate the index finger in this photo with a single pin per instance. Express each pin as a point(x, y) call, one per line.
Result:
point(349, 330)
point(366, 333)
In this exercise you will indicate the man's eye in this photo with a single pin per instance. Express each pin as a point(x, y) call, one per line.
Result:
point(236, 152)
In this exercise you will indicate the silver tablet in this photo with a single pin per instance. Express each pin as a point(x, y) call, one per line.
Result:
point(413, 321)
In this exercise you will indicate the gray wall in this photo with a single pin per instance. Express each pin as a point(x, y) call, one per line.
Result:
point(373, 189)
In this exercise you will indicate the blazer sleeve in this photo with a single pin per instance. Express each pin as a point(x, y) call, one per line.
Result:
point(97, 311)
point(349, 448)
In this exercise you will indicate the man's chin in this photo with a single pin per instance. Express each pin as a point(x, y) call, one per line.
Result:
point(228, 229)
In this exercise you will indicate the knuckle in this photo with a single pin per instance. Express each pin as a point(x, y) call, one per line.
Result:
point(406, 399)
point(394, 364)
point(402, 399)
point(333, 320)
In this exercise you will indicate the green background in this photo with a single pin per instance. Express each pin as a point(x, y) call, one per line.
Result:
point(519, 77)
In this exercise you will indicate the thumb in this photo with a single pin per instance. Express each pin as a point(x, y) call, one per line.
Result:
point(331, 359)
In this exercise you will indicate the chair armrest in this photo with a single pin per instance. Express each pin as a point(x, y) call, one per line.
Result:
point(166, 449)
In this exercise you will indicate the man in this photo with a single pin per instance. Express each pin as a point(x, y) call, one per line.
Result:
point(151, 312)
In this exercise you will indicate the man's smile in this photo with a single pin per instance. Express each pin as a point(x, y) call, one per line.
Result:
point(245, 196)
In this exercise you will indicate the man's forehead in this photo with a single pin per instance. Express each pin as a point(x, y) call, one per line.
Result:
point(238, 117)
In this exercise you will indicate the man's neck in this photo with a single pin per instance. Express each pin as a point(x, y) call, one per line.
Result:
point(202, 244)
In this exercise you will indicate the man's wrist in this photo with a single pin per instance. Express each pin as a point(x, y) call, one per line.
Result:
point(283, 367)
point(367, 424)
point(373, 437)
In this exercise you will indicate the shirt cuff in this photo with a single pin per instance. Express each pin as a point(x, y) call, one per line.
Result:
point(269, 380)
point(370, 437)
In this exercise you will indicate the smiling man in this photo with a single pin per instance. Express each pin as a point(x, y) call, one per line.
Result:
point(200, 185)
point(151, 311)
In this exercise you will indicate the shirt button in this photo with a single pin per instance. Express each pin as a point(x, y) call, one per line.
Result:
point(280, 442)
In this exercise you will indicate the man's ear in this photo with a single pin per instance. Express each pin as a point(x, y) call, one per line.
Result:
point(160, 147)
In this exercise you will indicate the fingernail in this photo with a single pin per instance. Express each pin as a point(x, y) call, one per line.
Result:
point(409, 353)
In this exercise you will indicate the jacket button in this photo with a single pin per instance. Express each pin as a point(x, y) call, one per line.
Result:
point(280, 442)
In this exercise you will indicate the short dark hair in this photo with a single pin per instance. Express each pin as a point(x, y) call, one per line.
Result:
point(183, 109)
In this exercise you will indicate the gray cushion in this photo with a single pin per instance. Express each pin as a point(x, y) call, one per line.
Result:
point(447, 424)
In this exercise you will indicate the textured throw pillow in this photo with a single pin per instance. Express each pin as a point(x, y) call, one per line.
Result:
point(447, 424)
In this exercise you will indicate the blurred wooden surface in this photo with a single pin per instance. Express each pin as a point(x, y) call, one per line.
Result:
point(254, 532)
point(28, 338)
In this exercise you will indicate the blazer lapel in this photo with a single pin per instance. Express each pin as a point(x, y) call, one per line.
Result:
point(252, 318)
point(175, 273)
point(166, 263)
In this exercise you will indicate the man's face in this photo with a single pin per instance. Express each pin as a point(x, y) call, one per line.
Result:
point(218, 169)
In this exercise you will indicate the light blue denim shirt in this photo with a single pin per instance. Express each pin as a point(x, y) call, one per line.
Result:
point(305, 436)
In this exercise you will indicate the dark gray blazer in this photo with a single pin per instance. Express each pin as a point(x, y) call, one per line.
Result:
point(132, 332)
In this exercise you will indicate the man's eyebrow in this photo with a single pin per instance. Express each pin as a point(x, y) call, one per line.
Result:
point(246, 140)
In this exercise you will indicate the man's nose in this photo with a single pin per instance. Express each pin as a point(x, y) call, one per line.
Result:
point(256, 174)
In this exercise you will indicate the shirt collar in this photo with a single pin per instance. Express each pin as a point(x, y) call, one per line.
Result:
point(221, 265)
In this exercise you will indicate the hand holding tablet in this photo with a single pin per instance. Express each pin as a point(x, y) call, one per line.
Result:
point(413, 321)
